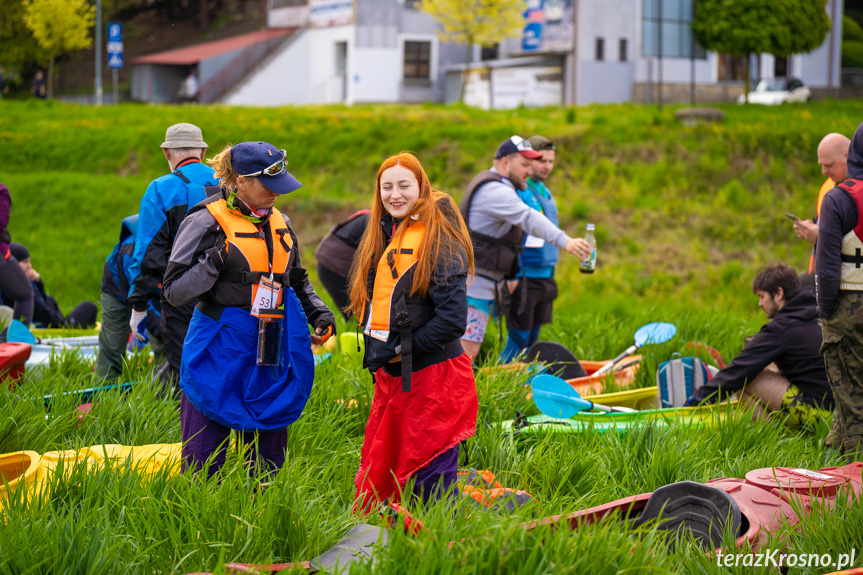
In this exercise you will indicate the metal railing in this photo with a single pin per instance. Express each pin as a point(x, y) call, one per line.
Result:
point(852, 78)
point(236, 69)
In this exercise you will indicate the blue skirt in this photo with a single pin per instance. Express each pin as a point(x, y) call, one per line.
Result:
point(220, 377)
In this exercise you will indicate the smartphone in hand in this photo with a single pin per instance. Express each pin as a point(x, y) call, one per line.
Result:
point(791, 217)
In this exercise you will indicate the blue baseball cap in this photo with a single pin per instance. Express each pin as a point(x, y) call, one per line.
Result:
point(265, 162)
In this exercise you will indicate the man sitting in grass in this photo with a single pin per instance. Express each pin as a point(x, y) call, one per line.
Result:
point(791, 340)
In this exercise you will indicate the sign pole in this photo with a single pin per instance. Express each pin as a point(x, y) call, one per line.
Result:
point(115, 53)
point(98, 50)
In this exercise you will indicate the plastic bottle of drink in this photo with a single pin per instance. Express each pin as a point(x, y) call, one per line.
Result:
point(588, 266)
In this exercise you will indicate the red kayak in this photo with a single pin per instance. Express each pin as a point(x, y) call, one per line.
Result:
point(758, 506)
point(13, 356)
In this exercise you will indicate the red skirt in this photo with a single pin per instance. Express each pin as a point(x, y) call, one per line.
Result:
point(406, 431)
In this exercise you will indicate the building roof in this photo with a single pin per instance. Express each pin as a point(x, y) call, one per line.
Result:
point(194, 54)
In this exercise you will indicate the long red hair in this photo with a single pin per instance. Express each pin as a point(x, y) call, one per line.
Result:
point(446, 235)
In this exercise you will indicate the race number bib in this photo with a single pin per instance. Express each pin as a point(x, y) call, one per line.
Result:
point(267, 296)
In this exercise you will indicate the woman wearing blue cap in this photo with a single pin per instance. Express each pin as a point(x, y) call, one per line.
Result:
point(247, 361)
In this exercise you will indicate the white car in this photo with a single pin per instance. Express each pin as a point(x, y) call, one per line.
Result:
point(778, 91)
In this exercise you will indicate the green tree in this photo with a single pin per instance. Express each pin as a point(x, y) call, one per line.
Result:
point(745, 27)
point(18, 48)
point(472, 22)
point(59, 26)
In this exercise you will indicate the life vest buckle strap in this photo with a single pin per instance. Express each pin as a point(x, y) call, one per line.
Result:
point(254, 235)
point(252, 278)
point(403, 322)
point(391, 261)
point(856, 259)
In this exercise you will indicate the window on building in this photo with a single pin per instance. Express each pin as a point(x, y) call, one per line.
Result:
point(489, 52)
point(667, 24)
point(600, 49)
point(417, 59)
point(623, 56)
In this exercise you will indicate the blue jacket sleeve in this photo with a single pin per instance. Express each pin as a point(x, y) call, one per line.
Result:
point(150, 256)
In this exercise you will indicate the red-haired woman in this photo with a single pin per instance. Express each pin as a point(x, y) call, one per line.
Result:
point(409, 287)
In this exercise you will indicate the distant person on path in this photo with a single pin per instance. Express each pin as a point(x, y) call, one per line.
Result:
point(116, 310)
point(408, 286)
point(163, 208)
point(832, 156)
point(839, 285)
point(791, 340)
point(188, 88)
point(233, 250)
point(39, 89)
point(14, 284)
point(46, 310)
point(499, 221)
point(335, 254)
point(532, 299)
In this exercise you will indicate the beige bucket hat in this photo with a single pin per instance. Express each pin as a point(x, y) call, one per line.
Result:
point(184, 136)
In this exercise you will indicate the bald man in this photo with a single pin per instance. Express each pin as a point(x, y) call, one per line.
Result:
point(832, 156)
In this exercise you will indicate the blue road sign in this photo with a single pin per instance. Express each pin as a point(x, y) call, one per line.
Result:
point(115, 45)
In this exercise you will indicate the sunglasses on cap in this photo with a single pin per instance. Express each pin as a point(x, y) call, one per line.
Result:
point(274, 169)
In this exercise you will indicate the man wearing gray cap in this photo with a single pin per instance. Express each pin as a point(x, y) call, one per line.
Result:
point(163, 208)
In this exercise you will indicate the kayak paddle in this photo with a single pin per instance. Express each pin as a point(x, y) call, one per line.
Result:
point(556, 398)
point(18, 332)
point(655, 332)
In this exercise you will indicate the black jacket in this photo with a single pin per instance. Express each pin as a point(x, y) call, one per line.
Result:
point(838, 217)
point(792, 339)
point(438, 339)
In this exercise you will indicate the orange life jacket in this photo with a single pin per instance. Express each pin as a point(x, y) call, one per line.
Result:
point(388, 309)
point(248, 256)
point(828, 185)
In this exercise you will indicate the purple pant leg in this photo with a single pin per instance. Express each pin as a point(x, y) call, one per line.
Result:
point(433, 480)
point(271, 448)
point(202, 437)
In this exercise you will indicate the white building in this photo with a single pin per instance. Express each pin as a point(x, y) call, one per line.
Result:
point(572, 51)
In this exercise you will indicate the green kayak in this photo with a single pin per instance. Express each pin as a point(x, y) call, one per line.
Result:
point(602, 422)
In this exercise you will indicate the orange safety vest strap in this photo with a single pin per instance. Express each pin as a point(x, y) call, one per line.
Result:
point(243, 235)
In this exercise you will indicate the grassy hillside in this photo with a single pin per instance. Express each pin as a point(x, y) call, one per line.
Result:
point(685, 215)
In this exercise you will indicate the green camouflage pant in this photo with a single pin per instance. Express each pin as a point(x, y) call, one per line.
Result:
point(843, 355)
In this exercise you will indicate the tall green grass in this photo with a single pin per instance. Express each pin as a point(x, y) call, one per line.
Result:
point(685, 217)
point(121, 521)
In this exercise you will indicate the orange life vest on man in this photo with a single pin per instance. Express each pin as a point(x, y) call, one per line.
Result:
point(250, 256)
point(828, 185)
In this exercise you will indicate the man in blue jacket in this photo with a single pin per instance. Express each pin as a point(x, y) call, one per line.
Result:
point(163, 208)
point(116, 309)
point(536, 288)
